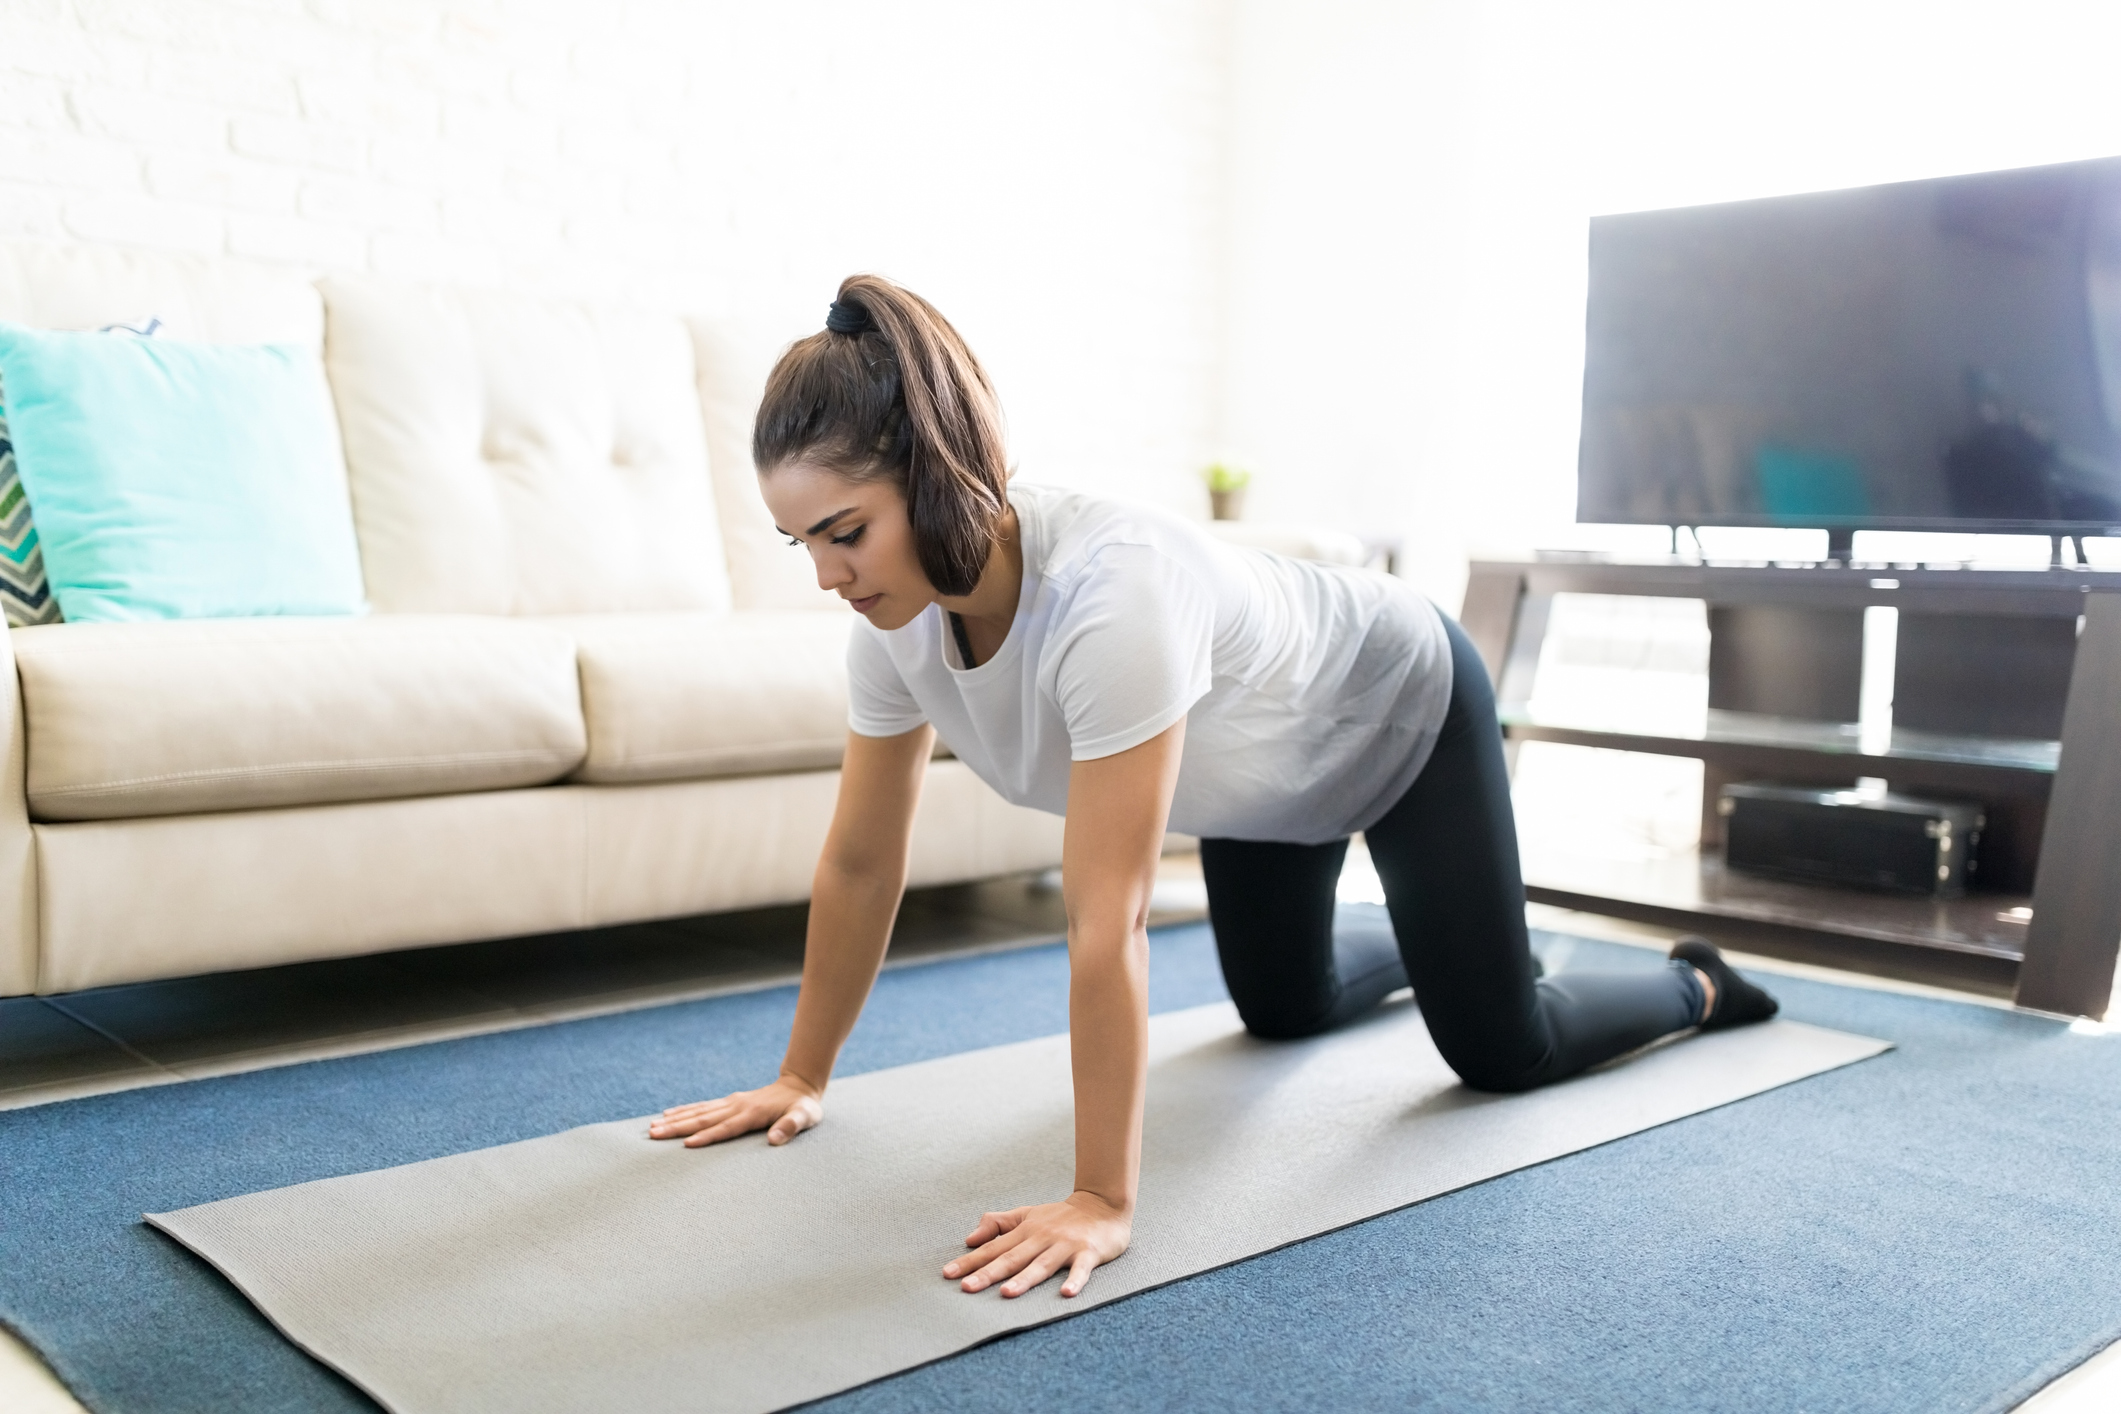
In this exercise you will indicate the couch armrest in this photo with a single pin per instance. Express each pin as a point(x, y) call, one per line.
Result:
point(18, 850)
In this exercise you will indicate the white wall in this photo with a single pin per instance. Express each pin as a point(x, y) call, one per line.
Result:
point(1340, 241)
point(1049, 175)
point(1410, 181)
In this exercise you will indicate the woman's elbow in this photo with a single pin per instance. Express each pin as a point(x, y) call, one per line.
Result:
point(863, 867)
point(1113, 941)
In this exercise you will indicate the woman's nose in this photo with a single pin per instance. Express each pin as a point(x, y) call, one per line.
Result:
point(832, 572)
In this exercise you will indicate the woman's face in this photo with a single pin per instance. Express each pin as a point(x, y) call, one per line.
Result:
point(858, 537)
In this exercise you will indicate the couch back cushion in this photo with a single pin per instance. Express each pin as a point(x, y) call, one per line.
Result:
point(191, 297)
point(765, 572)
point(195, 297)
point(511, 455)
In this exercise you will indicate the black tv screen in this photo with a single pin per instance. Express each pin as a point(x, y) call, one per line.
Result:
point(1932, 355)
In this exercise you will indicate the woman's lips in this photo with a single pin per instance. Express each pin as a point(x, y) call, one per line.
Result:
point(863, 606)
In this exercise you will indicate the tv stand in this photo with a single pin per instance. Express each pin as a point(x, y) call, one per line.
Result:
point(1840, 546)
point(2000, 698)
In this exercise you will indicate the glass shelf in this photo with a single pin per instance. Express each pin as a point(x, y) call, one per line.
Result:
point(1688, 890)
point(1719, 728)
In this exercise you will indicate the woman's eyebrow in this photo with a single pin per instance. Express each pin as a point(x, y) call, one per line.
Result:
point(828, 520)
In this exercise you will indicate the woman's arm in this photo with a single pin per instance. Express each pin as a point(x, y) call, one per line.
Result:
point(1117, 808)
point(853, 899)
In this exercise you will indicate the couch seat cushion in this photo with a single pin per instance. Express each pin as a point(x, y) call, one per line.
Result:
point(127, 720)
point(684, 696)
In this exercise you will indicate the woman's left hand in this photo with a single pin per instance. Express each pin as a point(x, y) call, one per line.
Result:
point(1024, 1246)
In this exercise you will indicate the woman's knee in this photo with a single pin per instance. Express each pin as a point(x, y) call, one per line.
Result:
point(1274, 1019)
point(1494, 1069)
point(1500, 1080)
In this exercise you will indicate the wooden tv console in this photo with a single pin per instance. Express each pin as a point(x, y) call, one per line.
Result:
point(2008, 692)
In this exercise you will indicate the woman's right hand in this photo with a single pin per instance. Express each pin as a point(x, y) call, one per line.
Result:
point(784, 1109)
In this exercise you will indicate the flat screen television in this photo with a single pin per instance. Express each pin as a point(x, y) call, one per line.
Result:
point(1931, 355)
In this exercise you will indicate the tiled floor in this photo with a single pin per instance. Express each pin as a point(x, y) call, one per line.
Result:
point(159, 1032)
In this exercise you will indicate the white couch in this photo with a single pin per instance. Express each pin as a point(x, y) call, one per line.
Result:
point(595, 688)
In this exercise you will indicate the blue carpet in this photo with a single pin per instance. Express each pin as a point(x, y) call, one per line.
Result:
point(1937, 1229)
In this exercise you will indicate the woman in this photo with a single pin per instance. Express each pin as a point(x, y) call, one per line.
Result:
point(1117, 666)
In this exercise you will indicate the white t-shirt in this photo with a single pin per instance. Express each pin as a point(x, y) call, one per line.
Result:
point(1313, 694)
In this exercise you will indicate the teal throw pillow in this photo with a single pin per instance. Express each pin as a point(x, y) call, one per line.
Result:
point(178, 480)
point(25, 594)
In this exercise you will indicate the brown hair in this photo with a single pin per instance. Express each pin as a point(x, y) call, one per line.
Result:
point(888, 389)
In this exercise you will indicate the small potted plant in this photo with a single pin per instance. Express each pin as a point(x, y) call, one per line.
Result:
point(1226, 490)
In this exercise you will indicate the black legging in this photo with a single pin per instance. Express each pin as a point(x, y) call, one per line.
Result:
point(1447, 854)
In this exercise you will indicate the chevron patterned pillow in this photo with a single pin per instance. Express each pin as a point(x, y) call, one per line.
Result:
point(24, 592)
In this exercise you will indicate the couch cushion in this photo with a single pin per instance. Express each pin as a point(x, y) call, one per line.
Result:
point(173, 479)
point(510, 455)
point(50, 286)
point(732, 359)
point(129, 720)
point(195, 297)
point(25, 588)
point(682, 696)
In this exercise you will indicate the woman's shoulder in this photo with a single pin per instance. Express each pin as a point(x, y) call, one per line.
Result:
point(1074, 529)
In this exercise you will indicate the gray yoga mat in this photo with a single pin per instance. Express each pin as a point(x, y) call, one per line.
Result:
point(597, 1270)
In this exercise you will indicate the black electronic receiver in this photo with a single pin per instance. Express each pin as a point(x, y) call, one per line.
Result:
point(1859, 838)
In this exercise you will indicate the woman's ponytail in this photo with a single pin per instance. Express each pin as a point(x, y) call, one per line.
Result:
point(890, 390)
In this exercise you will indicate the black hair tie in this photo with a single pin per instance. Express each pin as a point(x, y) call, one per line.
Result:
point(847, 317)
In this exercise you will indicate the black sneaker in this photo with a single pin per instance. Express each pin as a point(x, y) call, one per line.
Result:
point(1738, 1002)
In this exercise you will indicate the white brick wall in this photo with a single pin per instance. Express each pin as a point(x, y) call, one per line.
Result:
point(1049, 175)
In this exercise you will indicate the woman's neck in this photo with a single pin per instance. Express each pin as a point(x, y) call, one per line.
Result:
point(990, 609)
